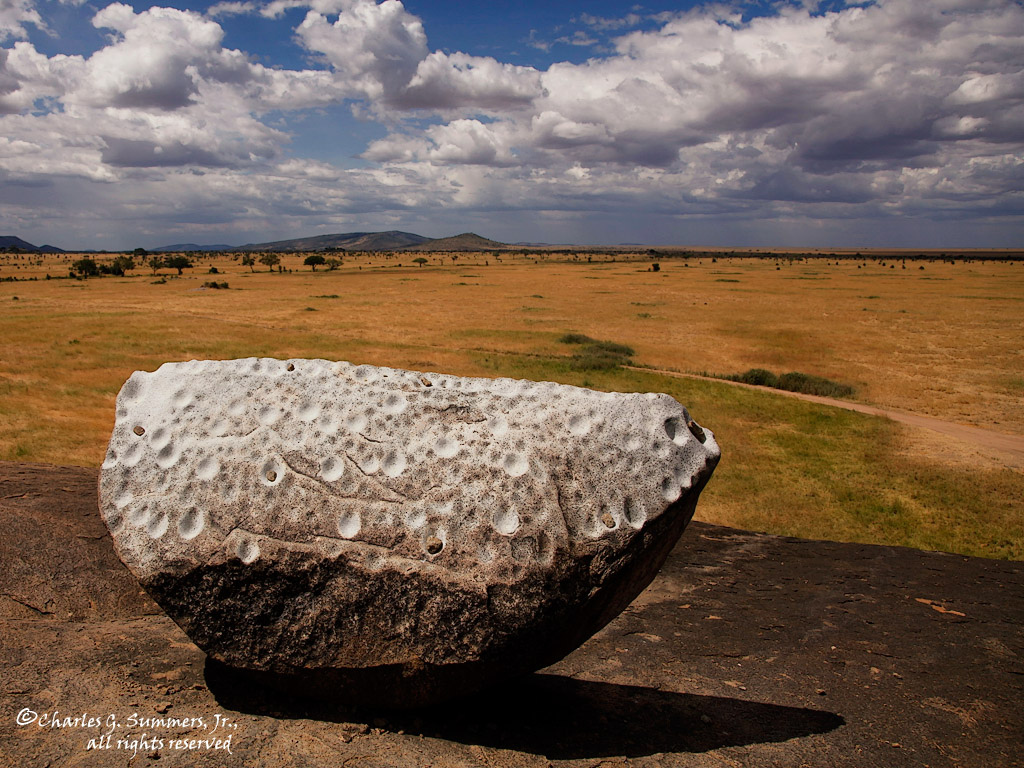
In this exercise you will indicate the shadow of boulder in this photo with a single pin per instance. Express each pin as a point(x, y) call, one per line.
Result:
point(557, 717)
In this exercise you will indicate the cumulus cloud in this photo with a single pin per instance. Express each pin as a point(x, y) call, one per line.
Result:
point(865, 106)
point(379, 52)
point(14, 15)
point(878, 109)
point(164, 93)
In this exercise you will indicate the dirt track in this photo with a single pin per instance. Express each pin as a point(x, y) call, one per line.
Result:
point(747, 649)
point(1009, 448)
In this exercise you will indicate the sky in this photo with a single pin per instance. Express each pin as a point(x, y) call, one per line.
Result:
point(785, 123)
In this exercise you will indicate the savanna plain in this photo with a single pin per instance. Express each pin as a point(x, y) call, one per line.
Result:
point(930, 337)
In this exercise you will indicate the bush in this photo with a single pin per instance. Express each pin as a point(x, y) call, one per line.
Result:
point(85, 267)
point(216, 286)
point(757, 376)
point(813, 385)
point(793, 381)
point(575, 338)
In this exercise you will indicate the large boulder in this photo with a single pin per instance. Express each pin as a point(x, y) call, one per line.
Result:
point(392, 537)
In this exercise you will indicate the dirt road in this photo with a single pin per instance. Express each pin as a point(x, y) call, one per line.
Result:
point(1009, 448)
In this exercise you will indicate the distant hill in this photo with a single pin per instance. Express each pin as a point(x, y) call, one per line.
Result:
point(393, 240)
point(10, 241)
point(467, 241)
point(350, 241)
point(192, 247)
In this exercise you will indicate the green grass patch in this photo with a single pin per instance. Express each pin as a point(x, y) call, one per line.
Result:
point(594, 355)
point(796, 468)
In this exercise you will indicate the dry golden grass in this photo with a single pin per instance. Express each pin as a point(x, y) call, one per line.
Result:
point(943, 341)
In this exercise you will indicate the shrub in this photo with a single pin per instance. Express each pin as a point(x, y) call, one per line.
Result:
point(757, 376)
point(85, 267)
point(793, 381)
point(813, 385)
point(575, 338)
point(216, 286)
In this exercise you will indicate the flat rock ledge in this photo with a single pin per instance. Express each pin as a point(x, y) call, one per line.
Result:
point(386, 537)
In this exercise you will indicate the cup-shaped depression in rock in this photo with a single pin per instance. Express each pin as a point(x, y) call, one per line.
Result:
point(387, 536)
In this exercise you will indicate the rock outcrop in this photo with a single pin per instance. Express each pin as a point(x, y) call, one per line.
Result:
point(392, 537)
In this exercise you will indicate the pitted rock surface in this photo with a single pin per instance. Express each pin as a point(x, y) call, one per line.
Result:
point(392, 536)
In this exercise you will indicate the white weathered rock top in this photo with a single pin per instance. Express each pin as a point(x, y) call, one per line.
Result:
point(249, 459)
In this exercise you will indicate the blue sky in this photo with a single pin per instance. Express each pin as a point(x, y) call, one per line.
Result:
point(867, 124)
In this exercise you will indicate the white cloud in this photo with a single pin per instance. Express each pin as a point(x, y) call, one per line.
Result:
point(231, 8)
point(379, 52)
point(869, 106)
point(450, 81)
point(14, 15)
point(604, 24)
point(374, 49)
point(912, 107)
point(579, 38)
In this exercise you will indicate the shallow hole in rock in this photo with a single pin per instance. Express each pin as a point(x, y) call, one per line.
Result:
point(636, 515)
point(434, 545)
point(271, 472)
point(671, 426)
point(247, 551)
point(349, 524)
point(506, 521)
point(191, 524)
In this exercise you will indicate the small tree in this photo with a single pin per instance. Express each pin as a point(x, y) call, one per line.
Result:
point(178, 262)
point(271, 260)
point(249, 261)
point(314, 260)
point(419, 260)
point(155, 262)
point(86, 267)
point(124, 264)
point(333, 264)
point(140, 252)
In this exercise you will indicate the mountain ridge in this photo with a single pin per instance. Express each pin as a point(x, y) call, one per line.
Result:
point(390, 240)
point(10, 241)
